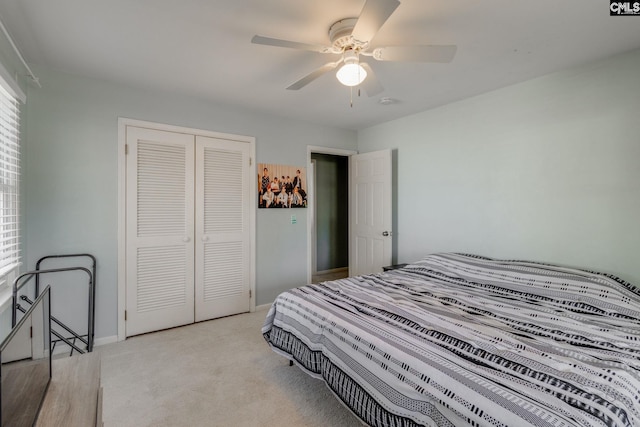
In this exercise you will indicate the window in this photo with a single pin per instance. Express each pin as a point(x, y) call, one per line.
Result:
point(9, 181)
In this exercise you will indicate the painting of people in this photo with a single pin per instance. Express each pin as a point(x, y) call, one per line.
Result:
point(281, 186)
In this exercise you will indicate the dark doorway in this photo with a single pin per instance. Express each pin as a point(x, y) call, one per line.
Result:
point(331, 216)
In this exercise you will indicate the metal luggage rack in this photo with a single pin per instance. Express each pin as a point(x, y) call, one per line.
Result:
point(72, 339)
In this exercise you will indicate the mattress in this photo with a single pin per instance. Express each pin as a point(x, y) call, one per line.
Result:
point(465, 340)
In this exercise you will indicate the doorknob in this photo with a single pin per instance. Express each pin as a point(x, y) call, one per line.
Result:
point(386, 233)
point(205, 238)
point(186, 239)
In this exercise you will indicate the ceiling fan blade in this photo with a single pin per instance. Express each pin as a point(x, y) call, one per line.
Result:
point(313, 75)
point(424, 53)
point(374, 14)
point(288, 44)
point(371, 84)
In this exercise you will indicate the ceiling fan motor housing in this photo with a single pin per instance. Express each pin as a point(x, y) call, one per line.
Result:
point(340, 34)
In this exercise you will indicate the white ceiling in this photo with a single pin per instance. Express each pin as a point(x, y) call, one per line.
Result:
point(202, 48)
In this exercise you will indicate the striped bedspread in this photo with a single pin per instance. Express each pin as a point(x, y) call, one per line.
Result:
point(464, 340)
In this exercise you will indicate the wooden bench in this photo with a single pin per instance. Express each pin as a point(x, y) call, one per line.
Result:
point(74, 397)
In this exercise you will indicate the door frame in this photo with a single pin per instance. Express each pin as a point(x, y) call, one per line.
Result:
point(311, 199)
point(122, 205)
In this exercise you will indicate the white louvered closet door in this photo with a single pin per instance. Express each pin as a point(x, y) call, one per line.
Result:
point(160, 227)
point(222, 228)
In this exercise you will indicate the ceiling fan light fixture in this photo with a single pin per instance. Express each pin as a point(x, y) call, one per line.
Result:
point(351, 74)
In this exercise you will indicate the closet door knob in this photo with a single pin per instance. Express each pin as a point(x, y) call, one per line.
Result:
point(186, 240)
point(205, 238)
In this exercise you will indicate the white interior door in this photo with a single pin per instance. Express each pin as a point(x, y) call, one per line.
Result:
point(223, 229)
point(370, 212)
point(159, 230)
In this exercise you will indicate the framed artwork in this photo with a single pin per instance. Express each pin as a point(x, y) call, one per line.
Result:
point(281, 186)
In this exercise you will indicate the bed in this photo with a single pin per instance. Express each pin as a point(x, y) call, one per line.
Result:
point(460, 339)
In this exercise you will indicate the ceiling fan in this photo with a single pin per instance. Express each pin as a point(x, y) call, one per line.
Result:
point(350, 38)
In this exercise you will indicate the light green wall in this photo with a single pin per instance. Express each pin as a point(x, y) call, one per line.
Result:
point(70, 176)
point(546, 170)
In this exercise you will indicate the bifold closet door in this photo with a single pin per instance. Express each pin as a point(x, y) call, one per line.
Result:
point(223, 204)
point(160, 230)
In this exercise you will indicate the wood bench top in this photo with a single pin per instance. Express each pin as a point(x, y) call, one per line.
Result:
point(72, 397)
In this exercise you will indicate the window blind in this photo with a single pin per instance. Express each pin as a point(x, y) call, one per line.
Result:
point(9, 181)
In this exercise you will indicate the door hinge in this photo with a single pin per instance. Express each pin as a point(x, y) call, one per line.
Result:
point(30, 331)
point(126, 149)
point(249, 293)
point(250, 161)
point(125, 315)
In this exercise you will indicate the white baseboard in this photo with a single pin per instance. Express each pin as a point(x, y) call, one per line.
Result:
point(61, 347)
point(263, 307)
point(105, 340)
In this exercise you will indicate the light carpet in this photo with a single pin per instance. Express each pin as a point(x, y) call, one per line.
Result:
point(215, 373)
